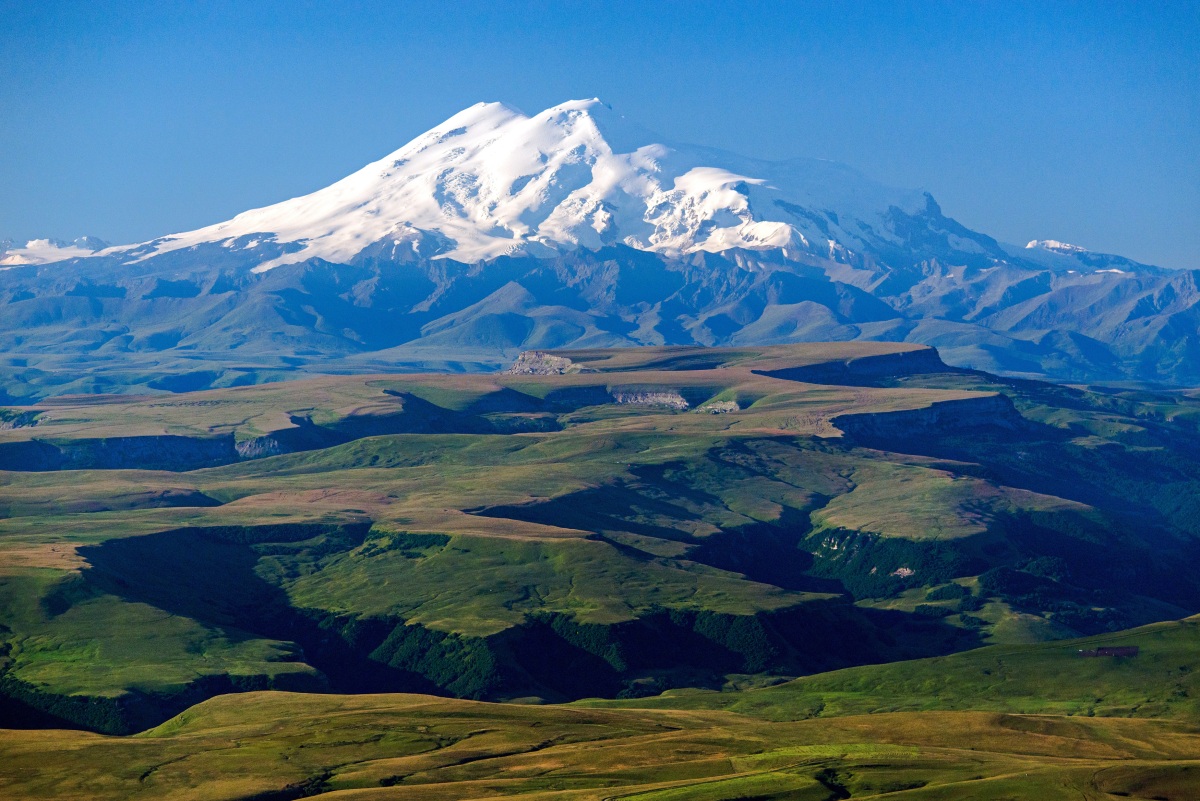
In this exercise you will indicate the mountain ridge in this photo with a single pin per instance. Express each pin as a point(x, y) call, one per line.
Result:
point(497, 232)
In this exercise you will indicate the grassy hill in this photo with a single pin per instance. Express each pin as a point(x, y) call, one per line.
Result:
point(1133, 737)
point(1055, 678)
point(599, 523)
point(1001, 722)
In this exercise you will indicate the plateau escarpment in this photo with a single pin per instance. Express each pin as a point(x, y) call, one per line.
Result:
point(118, 453)
point(941, 417)
point(868, 369)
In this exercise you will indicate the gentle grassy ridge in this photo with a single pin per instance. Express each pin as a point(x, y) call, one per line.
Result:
point(1161, 682)
point(683, 746)
point(274, 746)
point(282, 745)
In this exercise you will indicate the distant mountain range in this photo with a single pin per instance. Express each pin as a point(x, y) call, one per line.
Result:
point(497, 232)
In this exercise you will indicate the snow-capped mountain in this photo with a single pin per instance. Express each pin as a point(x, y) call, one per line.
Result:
point(45, 251)
point(491, 181)
point(496, 232)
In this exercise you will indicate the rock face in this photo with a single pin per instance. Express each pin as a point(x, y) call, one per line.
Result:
point(535, 362)
point(12, 418)
point(966, 414)
point(642, 397)
point(720, 407)
point(259, 448)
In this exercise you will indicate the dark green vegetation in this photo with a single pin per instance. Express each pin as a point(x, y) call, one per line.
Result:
point(609, 524)
point(1161, 682)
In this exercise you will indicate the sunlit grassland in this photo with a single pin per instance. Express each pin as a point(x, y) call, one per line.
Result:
point(417, 747)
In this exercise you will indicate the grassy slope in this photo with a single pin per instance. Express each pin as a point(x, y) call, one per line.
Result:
point(975, 725)
point(417, 747)
point(409, 482)
point(1162, 682)
point(597, 521)
point(979, 735)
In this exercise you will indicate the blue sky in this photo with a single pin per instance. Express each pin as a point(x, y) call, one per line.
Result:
point(1072, 121)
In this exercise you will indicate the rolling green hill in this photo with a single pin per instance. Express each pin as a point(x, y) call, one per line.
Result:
point(592, 523)
point(1162, 681)
point(1072, 728)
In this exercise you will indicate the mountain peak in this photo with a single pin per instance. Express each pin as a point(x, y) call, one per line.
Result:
point(800, 249)
point(492, 181)
point(1055, 246)
point(588, 104)
point(487, 115)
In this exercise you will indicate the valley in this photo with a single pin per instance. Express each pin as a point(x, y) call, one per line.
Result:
point(619, 524)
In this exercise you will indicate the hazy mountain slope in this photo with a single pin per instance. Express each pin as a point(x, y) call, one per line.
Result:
point(593, 232)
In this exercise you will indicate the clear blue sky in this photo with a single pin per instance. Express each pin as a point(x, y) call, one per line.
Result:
point(1072, 121)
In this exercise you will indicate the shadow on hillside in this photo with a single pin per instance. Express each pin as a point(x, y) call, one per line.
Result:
point(654, 506)
point(212, 575)
point(208, 575)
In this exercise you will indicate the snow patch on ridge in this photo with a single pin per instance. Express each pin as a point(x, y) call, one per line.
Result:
point(1055, 245)
point(47, 251)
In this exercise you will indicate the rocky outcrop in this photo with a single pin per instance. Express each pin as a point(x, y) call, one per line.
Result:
point(12, 418)
point(669, 399)
point(539, 362)
point(720, 407)
point(259, 448)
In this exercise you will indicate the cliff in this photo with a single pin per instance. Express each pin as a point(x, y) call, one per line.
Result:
point(964, 414)
point(867, 370)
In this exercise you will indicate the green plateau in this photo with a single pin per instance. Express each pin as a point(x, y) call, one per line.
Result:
point(822, 570)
